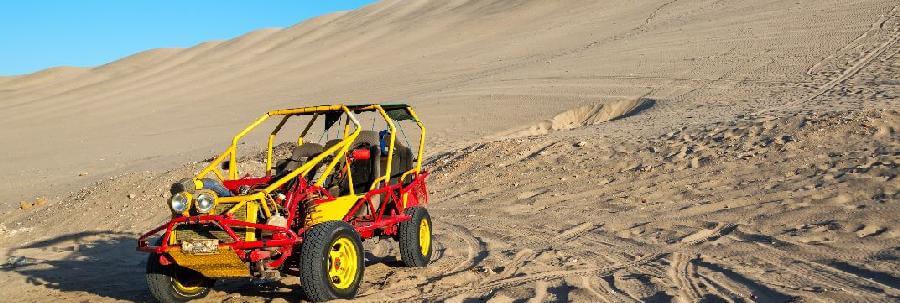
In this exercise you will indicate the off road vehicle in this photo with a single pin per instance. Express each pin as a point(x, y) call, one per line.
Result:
point(307, 215)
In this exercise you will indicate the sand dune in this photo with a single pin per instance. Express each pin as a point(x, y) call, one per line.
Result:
point(597, 151)
point(450, 55)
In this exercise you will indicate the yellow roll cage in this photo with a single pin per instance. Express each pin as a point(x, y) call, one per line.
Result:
point(339, 149)
point(261, 199)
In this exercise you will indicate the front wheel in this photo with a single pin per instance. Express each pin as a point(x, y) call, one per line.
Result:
point(331, 262)
point(175, 284)
point(414, 236)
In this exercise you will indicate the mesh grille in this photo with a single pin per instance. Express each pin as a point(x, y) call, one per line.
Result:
point(240, 214)
point(212, 231)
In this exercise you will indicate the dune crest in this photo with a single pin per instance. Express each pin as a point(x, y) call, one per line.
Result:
point(585, 116)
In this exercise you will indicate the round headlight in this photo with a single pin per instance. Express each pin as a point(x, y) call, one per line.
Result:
point(178, 203)
point(205, 202)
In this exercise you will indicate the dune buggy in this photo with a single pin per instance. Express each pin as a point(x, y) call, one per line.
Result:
point(305, 216)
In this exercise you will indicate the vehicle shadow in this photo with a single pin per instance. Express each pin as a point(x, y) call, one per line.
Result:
point(103, 263)
point(106, 264)
point(389, 260)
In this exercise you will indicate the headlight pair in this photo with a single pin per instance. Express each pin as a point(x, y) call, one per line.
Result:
point(204, 202)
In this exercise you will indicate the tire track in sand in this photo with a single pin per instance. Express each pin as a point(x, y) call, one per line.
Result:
point(855, 68)
point(683, 273)
point(476, 250)
point(818, 274)
point(443, 294)
point(874, 28)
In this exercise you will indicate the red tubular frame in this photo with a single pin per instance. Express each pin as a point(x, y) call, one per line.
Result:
point(226, 222)
point(376, 220)
point(286, 238)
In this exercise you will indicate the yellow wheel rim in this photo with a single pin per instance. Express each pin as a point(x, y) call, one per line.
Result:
point(183, 288)
point(424, 237)
point(186, 286)
point(342, 263)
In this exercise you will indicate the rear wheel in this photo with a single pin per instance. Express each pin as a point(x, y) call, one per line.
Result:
point(331, 262)
point(173, 283)
point(414, 236)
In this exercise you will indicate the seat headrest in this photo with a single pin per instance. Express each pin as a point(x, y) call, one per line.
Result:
point(306, 150)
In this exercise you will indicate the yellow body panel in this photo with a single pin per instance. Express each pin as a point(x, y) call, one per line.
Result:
point(223, 264)
point(252, 211)
point(172, 238)
point(334, 210)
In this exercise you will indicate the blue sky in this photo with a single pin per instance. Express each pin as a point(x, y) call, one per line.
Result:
point(37, 34)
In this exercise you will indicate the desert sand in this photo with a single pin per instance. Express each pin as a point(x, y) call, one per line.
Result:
point(590, 151)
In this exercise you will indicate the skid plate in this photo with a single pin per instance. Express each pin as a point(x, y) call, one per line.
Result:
point(223, 264)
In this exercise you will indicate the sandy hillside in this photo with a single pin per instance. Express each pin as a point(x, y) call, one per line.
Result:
point(597, 151)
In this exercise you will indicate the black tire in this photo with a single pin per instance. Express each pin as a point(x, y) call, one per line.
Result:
point(412, 253)
point(175, 284)
point(315, 262)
